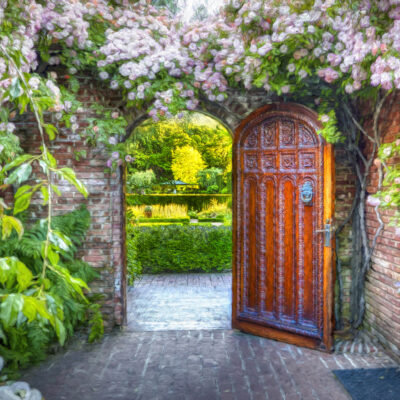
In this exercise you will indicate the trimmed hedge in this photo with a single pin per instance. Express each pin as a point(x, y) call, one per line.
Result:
point(162, 220)
point(216, 219)
point(174, 248)
point(193, 201)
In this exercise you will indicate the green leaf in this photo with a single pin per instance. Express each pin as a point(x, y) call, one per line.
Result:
point(22, 203)
point(20, 174)
point(15, 89)
point(18, 161)
point(9, 223)
point(11, 270)
point(69, 175)
point(60, 240)
point(52, 255)
point(22, 190)
point(56, 190)
point(29, 308)
point(44, 166)
point(10, 307)
point(52, 161)
point(24, 276)
point(51, 131)
point(60, 331)
point(45, 193)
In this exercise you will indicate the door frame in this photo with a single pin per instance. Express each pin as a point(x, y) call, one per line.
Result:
point(326, 343)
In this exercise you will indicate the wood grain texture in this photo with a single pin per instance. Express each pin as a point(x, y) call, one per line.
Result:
point(282, 273)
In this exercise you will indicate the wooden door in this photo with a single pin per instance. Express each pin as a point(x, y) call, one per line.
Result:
point(283, 190)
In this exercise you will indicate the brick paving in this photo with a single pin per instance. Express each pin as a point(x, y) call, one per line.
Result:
point(193, 365)
point(154, 360)
point(180, 302)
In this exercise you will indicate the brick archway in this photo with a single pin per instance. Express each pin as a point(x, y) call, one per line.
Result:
point(104, 246)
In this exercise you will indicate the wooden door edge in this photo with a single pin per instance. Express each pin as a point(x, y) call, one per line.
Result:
point(328, 269)
point(234, 228)
point(279, 335)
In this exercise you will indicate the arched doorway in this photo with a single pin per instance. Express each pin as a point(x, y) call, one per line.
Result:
point(184, 247)
point(283, 209)
point(283, 191)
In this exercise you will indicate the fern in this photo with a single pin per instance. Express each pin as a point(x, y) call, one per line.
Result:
point(29, 342)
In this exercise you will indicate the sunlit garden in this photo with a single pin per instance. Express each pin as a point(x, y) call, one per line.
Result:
point(179, 187)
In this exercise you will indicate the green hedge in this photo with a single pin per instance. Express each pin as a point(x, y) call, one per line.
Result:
point(162, 220)
point(174, 248)
point(216, 219)
point(193, 201)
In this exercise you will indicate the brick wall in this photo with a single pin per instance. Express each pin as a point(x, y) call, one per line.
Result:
point(103, 247)
point(383, 301)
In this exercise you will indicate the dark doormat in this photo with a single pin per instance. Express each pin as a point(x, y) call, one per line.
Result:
point(371, 384)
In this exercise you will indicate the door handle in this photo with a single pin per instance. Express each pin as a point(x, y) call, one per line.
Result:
point(328, 231)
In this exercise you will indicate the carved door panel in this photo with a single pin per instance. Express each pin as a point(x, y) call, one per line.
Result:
point(282, 271)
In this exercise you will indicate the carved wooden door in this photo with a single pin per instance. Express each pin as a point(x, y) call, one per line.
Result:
point(282, 270)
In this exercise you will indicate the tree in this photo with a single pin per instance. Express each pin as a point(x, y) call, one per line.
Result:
point(186, 164)
point(152, 144)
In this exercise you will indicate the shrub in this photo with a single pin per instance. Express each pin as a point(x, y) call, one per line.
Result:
point(140, 180)
point(215, 210)
point(208, 177)
point(133, 265)
point(174, 248)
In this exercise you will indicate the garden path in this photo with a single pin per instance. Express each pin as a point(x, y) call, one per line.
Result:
point(180, 302)
point(193, 365)
point(177, 364)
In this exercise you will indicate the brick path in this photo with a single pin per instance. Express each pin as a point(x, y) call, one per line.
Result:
point(191, 364)
point(180, 302)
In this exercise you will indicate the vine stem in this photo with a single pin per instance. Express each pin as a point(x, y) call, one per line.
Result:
point(366, 247)
point(45, 157)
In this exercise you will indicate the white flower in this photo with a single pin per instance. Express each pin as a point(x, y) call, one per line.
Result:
point(34, 83)
point(324, 118)
point(291, 68)
point(103, 75)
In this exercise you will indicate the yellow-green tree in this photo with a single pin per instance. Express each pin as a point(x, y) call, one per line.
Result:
point(186, 164)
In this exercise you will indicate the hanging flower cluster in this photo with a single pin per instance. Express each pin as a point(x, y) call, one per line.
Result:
point(321, 49)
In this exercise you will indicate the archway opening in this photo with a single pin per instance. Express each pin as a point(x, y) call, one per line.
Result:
point(179, 224)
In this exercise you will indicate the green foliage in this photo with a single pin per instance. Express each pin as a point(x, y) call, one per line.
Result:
point(208, 177)
point(390, 192)
point(140, 180)
point(193, 201)
point(175, 248)
point(134, 267)
point(152, 144)
point(37, 309)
